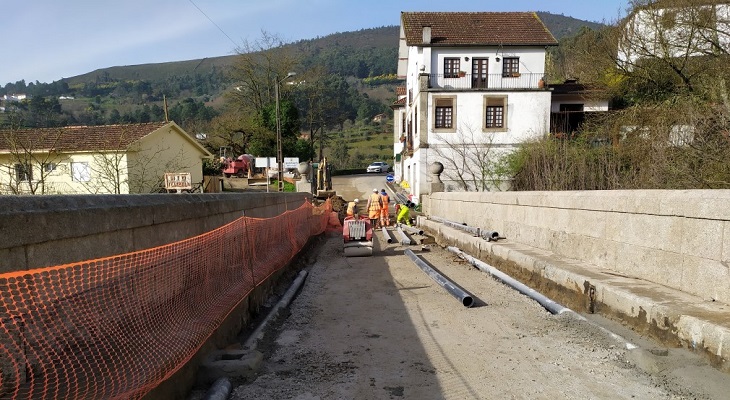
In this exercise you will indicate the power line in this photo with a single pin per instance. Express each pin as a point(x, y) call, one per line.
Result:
point(213, 22)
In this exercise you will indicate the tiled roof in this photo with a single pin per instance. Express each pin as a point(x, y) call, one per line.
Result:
point(399, 103)
point(78, 138)
point(400, 90)
point(477, 28)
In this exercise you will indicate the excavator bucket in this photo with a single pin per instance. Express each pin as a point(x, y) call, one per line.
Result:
point(357, 235)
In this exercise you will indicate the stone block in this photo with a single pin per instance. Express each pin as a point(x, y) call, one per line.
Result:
point(707, 279)
point(702, 238)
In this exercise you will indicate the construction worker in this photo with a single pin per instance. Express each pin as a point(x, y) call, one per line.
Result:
point(375, 204)
point(352, 208)
point(404, 214)
point(385, 212)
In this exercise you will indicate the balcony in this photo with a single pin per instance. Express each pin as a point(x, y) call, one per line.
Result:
point(523, 81)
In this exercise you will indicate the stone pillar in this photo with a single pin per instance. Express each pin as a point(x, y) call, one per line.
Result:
point(303, 185)
point(435, 185)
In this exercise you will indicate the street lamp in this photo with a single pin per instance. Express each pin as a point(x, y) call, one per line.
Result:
point(279, 151)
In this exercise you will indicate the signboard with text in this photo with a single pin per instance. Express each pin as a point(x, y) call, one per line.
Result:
point(291, 162)
point(178, 181)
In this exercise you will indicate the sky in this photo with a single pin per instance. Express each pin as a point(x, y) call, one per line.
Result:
point(47, 40)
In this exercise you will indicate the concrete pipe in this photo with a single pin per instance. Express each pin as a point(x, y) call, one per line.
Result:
point(358, 251)
point(386, 234)
point(413, 230)
point(490, 235)
point(404, 239)
point(465, 299)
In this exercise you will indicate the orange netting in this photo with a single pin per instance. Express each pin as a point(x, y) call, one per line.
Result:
point(116, 327)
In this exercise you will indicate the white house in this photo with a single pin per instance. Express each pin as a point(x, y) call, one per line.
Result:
point(474, 90)
point(675, 29)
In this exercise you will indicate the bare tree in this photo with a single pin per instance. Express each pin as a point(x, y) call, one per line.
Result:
point(33, 157)
point(470, 159)
point(256, 69)
point(678, 42)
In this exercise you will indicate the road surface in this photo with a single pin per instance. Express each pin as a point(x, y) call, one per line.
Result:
point(380, 328)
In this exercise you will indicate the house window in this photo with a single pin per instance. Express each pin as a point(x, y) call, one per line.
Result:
point(50, 167)
point(444, 113)
point(451, 67)
point(511, 66)
point(495, 112)
point(80, 171)
point(23, 173)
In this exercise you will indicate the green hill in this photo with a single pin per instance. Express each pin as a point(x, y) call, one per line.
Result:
point(376, 40)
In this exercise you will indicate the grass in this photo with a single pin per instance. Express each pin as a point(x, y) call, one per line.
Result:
point(372, 146)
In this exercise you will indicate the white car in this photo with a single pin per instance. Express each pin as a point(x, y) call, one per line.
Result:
point(378, 166)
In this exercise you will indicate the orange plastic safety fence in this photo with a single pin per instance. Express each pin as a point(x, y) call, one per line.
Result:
point(118, 326)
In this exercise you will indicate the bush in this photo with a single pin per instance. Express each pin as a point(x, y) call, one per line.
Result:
point(212, 167)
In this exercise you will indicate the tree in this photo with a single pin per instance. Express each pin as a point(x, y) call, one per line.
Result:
point(259, 67)
point(33, 157)
point(470, 160)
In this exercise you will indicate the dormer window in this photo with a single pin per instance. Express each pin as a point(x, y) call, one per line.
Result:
point(451, 67)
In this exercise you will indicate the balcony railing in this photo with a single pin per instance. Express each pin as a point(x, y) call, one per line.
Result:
point(523, 81)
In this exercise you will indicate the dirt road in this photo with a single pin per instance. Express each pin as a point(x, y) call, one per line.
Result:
point(380, 328)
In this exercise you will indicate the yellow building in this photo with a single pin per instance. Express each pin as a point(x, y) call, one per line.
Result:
point(108, 159)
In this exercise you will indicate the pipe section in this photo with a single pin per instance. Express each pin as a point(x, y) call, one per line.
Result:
point(219, 391)
point(549, 305)
point(412, 230)
point(475, 231)
point(465, 299)
point(404, 239)
point(386, 234)
point(469, 229)
point(258, 334)
point(490, 235)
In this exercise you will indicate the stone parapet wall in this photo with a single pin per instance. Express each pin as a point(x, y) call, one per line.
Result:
point(42, 231)
point(680, 239)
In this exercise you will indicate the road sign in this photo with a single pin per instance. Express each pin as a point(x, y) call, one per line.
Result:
point(389, 178)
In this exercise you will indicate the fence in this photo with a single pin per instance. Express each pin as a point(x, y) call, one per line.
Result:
point(116, 327)
point(531, 81)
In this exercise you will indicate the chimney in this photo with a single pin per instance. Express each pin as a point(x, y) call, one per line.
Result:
point(426, 35)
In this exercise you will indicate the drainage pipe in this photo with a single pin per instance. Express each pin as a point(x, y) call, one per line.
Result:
point(465, 299)
point(490, 235)
point(412, 230)
point(549, 305)
point(404, 239)
point(219, 391)
point(258, 334)
point(386, 234)
point(470, 229)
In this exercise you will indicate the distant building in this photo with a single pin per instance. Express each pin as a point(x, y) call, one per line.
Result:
point(379, 117)
point(110, 159)
point(15, 97)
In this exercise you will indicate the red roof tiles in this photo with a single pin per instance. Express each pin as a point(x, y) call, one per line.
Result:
point(476, 28)
point(77, 138)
